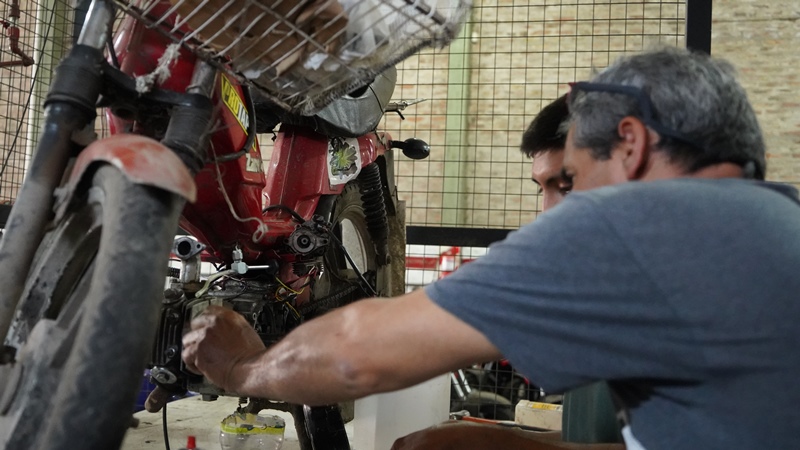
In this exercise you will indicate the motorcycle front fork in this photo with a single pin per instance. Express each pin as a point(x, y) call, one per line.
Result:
point(70, 107)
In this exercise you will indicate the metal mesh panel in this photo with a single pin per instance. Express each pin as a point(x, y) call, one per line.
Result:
point(512, 59)
point(44, 35)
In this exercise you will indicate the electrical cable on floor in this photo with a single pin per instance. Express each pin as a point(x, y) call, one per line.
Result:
point(164, 426)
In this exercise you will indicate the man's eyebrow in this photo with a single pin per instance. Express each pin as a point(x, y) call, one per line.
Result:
point(552, 179)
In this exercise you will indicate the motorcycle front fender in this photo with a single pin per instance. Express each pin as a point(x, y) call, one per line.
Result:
point(141, 159)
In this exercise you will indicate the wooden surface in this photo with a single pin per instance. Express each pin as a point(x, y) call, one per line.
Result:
point(192, 416)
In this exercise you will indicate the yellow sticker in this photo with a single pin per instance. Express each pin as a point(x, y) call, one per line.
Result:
point(546, 406)
point(232, 100)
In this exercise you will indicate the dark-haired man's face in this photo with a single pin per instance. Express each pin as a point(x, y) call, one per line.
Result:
point(546, 172)
point(586, 172)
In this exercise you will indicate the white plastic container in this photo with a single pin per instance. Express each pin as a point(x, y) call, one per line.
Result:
point(241, 431)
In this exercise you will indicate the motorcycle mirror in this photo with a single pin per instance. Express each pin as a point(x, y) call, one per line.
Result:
point(413, 148)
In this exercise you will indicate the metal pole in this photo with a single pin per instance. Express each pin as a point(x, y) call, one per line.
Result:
point(454, 198)
point(698, 25)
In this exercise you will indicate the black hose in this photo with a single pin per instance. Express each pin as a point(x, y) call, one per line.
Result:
point(164, 426)
point(295, 215)
point(371, 290)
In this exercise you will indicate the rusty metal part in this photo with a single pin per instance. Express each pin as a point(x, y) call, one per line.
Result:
point(12, 31)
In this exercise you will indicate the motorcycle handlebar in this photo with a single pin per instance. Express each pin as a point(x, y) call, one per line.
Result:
point(402, 104)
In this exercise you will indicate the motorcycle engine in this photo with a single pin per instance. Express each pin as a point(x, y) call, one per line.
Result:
point(262, 300)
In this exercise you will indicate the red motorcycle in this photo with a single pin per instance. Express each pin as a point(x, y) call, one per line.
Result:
point(84, 256)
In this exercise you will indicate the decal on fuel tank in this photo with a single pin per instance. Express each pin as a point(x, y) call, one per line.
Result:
point(234, 103)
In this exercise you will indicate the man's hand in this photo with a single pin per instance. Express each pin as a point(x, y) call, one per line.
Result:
point(220, 341)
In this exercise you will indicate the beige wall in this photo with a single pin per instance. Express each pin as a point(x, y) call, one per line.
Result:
point(761, 38)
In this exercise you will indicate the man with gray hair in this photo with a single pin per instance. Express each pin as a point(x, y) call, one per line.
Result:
point(673, 277)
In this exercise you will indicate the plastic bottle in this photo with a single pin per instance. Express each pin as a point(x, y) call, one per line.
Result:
point(241, 431)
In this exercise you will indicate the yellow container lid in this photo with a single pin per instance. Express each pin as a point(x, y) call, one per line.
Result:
point(246, 423)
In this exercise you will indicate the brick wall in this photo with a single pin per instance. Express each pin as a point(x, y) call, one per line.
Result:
point(761, 39)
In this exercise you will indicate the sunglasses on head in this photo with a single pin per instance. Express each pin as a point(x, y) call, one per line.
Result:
point(645, 107)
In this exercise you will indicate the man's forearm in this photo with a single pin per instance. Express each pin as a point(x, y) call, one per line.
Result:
point(295, 371)
point(371, 346)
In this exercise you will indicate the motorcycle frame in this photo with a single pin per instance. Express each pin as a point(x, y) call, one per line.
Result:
point(298, 173)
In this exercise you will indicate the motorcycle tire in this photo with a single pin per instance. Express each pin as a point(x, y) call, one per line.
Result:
point(350, 228)
point(87, 318)
point(317, 427)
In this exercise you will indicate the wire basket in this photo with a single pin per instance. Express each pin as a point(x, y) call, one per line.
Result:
point(302, 54)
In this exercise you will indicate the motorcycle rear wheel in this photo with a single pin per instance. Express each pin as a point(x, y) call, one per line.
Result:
point(88, 314)
point(350, 228)
point(323, 426)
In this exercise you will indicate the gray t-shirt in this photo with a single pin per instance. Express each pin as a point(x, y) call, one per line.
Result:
point(684, 294)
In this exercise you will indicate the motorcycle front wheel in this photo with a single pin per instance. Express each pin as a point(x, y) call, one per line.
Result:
point(87, 317)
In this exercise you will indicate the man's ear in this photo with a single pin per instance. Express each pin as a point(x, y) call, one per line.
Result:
point(635, 146)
